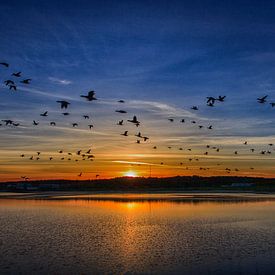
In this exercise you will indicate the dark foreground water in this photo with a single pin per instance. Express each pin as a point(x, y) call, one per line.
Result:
point(134, 237)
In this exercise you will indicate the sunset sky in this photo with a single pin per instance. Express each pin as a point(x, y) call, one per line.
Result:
point(162, 58)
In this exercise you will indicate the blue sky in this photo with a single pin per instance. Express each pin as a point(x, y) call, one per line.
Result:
point(162, 57)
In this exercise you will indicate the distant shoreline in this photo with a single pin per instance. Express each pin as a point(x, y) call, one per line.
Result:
point(178, 184)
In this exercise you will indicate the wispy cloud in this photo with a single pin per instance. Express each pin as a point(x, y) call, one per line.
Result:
point(135, 162)
point(60, 81)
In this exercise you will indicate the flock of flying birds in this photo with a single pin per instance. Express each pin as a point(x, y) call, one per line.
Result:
point(90, 96)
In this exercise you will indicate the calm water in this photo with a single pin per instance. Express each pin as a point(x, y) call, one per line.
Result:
point(114, 237)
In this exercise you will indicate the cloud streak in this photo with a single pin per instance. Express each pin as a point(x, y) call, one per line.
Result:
point(60, 81)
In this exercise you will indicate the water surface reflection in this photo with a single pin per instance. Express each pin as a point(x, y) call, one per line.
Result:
point(112, 236)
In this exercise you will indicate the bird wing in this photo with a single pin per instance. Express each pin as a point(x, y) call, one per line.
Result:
point(91, 93)
point(262, 98)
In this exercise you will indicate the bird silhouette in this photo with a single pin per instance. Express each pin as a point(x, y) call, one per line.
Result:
point(90, 96)
point(221, 98)
point(26, 81)
point(91, 126)
point(210, 99)
point(86, 117)
point(18, 74)
point(262, 99)
point(183, 120)
point(171, 119)
point(9, 82)
point(44, 114)
point(65, 114)
point(272, 104)
point(134, 120)
point(121, 111)
point(64, 104)
point(52, 123)
point(195, 108)
point(4, 64)
point(35, 123)
point(125, 134)
point(120, 122)
point(8, 121)
point(75, 124)
point(121, 101)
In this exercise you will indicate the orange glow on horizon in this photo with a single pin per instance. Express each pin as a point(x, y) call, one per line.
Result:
point(131, 174)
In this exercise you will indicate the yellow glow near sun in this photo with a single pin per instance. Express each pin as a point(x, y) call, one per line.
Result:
point(131, 205)
point(130, 174)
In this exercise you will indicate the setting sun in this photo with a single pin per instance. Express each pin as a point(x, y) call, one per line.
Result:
point(130, 174)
